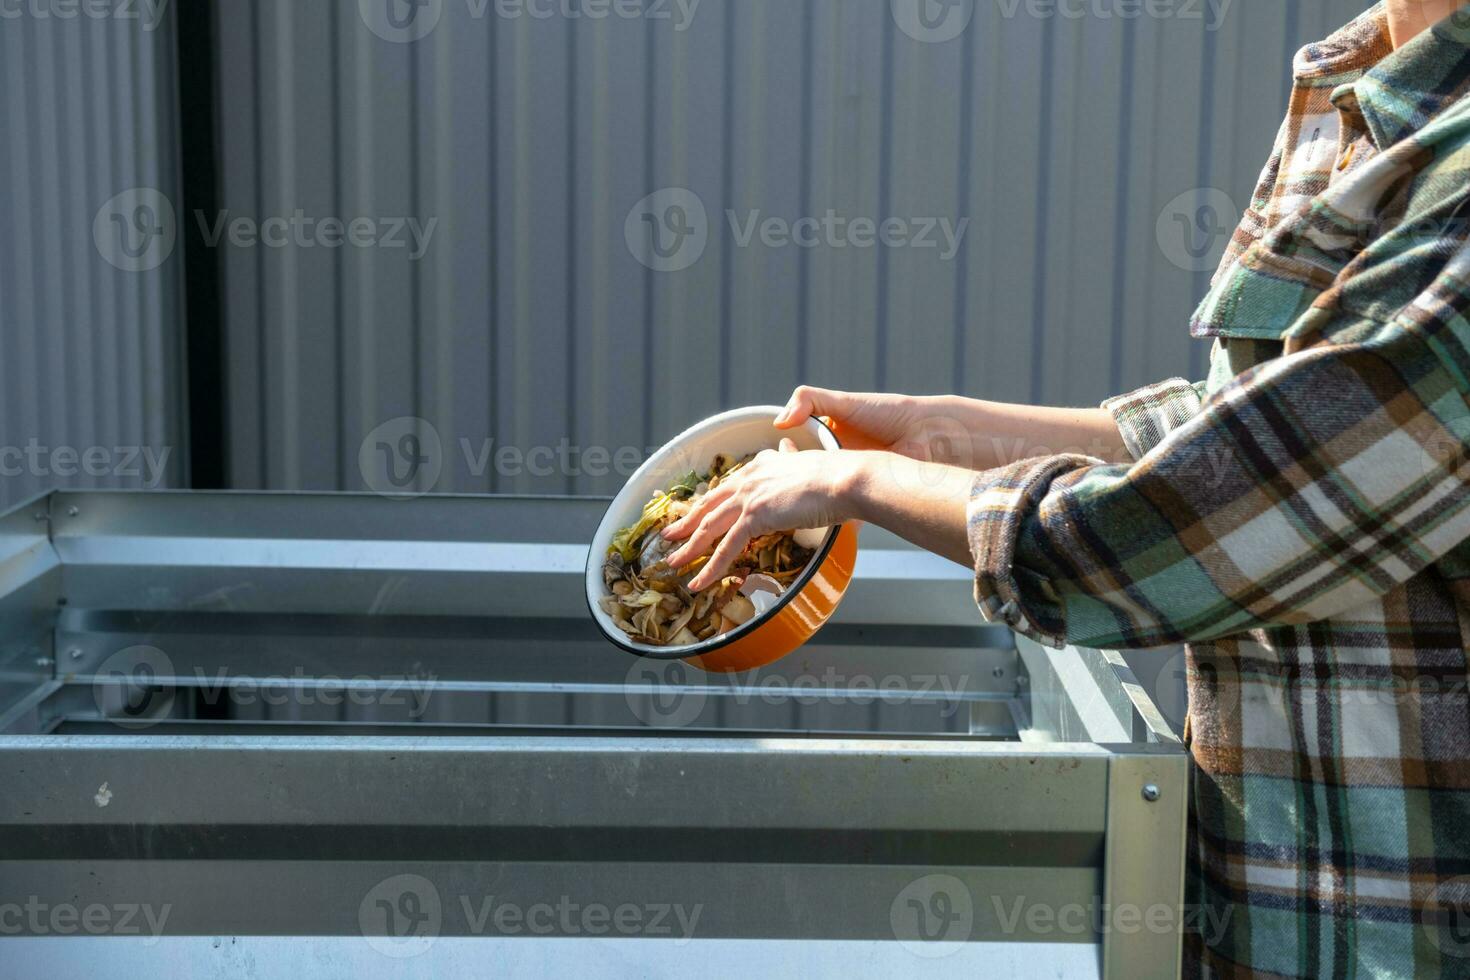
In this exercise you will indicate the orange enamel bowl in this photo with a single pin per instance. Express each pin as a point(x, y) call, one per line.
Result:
point(807, 603)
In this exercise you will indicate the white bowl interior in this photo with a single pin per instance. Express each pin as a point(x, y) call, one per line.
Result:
point(737, 433)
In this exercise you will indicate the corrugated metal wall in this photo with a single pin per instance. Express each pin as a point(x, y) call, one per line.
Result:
point(529, 322)
point(91, 389)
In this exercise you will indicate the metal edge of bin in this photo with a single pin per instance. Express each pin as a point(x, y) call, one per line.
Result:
point(1140, 865)
point(30, 588)
point(329, 541)
point(1141, 915)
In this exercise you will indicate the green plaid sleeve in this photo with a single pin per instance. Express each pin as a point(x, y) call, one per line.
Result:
point(1304, 487)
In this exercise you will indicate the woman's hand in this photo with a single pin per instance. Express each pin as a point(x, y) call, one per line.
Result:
point(776, 491)
point(928, 429)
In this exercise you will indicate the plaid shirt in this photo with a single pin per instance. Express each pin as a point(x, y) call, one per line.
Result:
point(1301, 521)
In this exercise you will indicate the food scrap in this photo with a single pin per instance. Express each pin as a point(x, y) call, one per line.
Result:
point(651, 602)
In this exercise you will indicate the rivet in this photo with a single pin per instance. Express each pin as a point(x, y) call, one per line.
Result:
point(1150, 792)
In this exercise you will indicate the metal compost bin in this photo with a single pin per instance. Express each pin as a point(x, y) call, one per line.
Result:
point(252, 734)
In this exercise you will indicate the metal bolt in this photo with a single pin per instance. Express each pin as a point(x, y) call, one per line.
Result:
point(43, 661)
point(1150, 792)
point(72, 512)
point(76, 653)
point(998, 672)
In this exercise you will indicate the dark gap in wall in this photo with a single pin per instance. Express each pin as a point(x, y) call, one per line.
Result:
point(200, 183)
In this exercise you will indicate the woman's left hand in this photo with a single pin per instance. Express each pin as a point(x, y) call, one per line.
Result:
point(776, 491)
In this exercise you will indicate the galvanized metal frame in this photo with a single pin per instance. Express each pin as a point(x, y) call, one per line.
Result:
point(1053, 785)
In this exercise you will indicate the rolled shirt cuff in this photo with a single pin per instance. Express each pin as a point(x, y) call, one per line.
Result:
point(1146, 417)
point(1002, 500)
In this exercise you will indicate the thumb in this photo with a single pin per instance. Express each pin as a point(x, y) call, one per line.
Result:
point(787, 446)
point(807, 401)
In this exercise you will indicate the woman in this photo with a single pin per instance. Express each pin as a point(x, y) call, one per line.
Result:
point(1300, 519)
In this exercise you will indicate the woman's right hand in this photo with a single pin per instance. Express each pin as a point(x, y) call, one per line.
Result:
point(918, 427)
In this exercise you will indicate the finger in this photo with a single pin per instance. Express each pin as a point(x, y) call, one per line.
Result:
point(703, 538)
point(787, 446)
point(798, 409)
point(730, 548)
point(685, 525)
point(717, 523)
point(807, 401)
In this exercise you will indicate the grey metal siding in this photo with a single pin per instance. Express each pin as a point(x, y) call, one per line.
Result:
point(529, 321)
point(89, 353)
